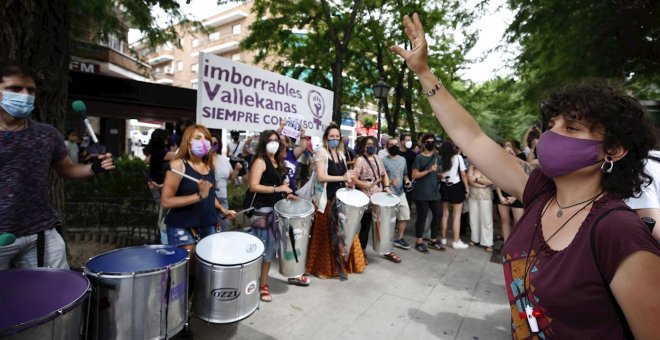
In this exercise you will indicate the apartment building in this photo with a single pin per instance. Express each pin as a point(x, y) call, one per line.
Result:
point(178, 66)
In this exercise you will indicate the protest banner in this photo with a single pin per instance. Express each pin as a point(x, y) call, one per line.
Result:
point(236, 96)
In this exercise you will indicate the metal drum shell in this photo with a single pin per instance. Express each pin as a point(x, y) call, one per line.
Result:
point(63, 323)
point(351, 204)
point(384, 208)
point(123, 303)
point(297, 214)
point(227, 283)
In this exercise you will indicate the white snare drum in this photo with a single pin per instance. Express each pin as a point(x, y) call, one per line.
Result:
point(228, 271)
point(384, 211)
point(351, 204)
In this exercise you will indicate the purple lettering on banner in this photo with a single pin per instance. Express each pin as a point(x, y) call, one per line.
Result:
point(249, 100)
point(206, 113)
point(248, 117)
point(211, 93)
point(259, 102)
point(256, 119)
point(241, 114)
point(235, 76)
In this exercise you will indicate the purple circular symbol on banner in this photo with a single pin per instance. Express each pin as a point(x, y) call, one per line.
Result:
point(316, 104)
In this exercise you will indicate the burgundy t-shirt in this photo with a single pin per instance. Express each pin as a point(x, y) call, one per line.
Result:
point(566, 285)
point(25, 161)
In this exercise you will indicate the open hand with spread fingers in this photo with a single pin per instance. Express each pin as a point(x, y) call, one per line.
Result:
point(417, 57)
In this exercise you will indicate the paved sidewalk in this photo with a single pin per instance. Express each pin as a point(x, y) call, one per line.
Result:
point(454, 294)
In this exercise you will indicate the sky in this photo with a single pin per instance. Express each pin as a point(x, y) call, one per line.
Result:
point(491, 27)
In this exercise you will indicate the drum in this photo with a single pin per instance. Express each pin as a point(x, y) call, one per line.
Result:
point(383, 211)
point(227, 271)
point(42, 303)
point(295, 221)
point(351, 204)
point(138, 292)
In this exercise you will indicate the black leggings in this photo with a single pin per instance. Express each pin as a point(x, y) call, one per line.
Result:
point(422, 210)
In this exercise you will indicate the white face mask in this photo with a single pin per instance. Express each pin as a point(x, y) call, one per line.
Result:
point(408, 144)
point(272, 147)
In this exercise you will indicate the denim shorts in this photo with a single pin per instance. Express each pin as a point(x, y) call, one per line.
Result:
point(183, 236)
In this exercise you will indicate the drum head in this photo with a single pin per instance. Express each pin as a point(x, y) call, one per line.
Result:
point(136, 259)
point(29, 297)
point(294, 208)
point(384, 199)
point(230, 248)
point(352, 197)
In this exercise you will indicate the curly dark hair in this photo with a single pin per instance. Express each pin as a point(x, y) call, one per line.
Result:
point(626, 123)
point(363, 142)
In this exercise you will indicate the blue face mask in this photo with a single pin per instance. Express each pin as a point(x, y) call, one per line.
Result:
point(371, 149)
point(333, 143)
point(17, 105)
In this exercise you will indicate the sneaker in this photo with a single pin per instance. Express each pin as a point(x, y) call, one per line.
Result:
point(436, 246)
point(421, 247)
point(459, 245)
point(443, 241)
point(401, 243)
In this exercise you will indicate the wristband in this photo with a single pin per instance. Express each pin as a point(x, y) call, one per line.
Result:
point(96, 166)
point(433, 90)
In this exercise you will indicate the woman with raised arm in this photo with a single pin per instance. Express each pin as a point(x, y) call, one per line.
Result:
point(579, 264)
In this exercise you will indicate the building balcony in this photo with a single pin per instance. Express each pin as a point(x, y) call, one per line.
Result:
point(219, 49)
point(166, 78)
point(109, 61)
point(160, 59)
point(225, 19)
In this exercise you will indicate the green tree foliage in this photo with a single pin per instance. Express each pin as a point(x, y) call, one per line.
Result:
point(37, 33)
point(565, 41)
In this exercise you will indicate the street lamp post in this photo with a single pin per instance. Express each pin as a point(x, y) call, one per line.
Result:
point(381, 89)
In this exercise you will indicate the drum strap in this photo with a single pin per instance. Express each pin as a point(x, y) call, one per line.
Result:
point(41, 248)
point(376, 174)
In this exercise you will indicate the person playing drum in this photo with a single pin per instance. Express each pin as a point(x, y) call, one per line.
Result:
point(268, 185)
point(371, 178)
point(326, 249)
point(192, 214)
point(580, 263)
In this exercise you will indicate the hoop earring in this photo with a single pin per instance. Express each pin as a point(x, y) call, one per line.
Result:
point(607, 166)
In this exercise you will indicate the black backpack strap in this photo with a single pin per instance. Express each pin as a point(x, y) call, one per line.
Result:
point(619, 312)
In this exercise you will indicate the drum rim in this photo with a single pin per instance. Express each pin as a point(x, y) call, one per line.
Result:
point(347, 190)
point(137, 273)
point(54, 314)
point(260, 257)
point(384, 194)
point(232, 232)
point(300, 215)
point(121, 275)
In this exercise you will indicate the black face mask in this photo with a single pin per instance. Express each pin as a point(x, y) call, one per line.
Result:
point(430, 146)
point(393, 150)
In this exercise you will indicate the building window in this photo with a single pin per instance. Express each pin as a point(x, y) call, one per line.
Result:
point(158, 70)
point(236, 29)
point(195, 43)
point(214, 36)
point(114, 43)
point(236, 57)
point(179, 66)
point(193, 68)
point(193, 86)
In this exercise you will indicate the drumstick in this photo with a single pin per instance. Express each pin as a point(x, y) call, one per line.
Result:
point(244, 210)
point(184, 175)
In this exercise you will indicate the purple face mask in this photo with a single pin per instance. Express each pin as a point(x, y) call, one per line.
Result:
point(200, 147)
point(560, 155)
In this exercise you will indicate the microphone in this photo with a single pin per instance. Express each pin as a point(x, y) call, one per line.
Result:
point(7, 239)
point(79, 107)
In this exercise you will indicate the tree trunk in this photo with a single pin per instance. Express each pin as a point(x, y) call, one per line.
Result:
point(410, 115)
point(337, 87)
point(36, 33)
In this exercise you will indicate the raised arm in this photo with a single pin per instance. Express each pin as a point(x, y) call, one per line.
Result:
point(461, 127)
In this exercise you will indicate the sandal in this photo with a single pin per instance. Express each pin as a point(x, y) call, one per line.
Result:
point(473, 243)
point(264, 293)
point(392, 257)
point(489, 249)
point(302, 281)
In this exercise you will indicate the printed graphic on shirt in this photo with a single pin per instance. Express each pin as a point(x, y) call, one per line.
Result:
point(515, 267)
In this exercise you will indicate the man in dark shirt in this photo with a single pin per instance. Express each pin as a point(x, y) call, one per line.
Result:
point(407, 152)
point(28, 150)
